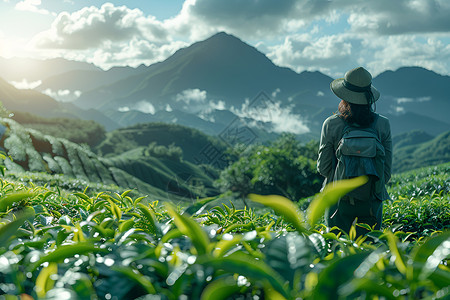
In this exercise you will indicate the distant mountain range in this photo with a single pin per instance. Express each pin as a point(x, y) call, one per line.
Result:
point(211, 84)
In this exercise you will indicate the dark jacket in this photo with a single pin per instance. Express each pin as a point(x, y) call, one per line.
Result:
point(331, 135)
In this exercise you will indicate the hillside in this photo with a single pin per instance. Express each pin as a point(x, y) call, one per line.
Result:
point(416, 90)
point(30, 150)
point(432, 152)
point(193, 142)
point(17, 69)
point(42, 105)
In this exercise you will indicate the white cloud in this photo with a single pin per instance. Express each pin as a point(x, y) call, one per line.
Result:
point(410, 100)
point(424, 99)
point(142, 106)
point(32, 6)
point(386, 17)
point(390, 53)
point(219, 105)
point(124, 109)
point(169, 108)
point(92, 27)
point(280, 119)
point(25, 85)
point(404, 100)
point(145, 107)
point(63, 95)
point(306, 52)
point(191, 95)
point(357, 32)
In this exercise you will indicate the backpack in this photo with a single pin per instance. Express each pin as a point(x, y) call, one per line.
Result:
point(360, 152)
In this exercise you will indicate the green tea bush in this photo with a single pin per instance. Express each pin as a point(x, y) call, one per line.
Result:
point(52, 164)
point(110, 245)
point(420, 201)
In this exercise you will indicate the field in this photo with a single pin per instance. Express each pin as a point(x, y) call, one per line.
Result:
point(66, 241)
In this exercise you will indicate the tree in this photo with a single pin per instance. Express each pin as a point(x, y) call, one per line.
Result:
point(284, 167)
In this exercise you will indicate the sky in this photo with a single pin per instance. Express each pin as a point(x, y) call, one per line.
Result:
point(331, 36)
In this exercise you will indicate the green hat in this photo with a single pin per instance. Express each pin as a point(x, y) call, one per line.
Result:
point(356, 87)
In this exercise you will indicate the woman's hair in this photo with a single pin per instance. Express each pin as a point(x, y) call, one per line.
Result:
point(360, 114)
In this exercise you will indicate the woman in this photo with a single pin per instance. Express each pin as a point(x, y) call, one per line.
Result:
point(355, 109)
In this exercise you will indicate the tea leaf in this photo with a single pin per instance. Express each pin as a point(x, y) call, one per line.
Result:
point(44, 282)
point(9, 229)
point(249, 267)
point(8, 200)
point(134, 275)
point(331, 195)
point(67, 251)
point(282, 206)
point(190, 228)
point(222, 288)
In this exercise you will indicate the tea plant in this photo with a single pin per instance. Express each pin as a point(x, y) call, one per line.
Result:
point(114, 246)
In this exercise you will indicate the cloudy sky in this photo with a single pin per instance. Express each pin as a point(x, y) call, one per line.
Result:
point(326, 35)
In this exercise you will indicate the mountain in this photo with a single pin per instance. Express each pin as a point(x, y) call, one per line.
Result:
point(86, 80)
point(42, 105)
point(432, 152)
point(224, 66)
point(211, 83)
point(410, 138)
point(17, 69)
point(416, 90)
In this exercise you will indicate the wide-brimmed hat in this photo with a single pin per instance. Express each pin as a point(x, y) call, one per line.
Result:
point(356, 87)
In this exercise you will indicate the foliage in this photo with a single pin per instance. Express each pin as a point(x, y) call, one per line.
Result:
point(192, 141)
point(420, 201)
point(285, 167)
point(113, 246)
point(156, 170)
point(433, 152)
point(75, 130)
point(171, 152)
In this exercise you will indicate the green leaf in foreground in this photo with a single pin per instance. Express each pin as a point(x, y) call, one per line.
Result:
point(282, 206)
point(222, 288)
point(251, 268)
point(8, 200)
point(190, 228)
point(428, 256)
point(67, 251)
point(331, 195)
point(9, 229)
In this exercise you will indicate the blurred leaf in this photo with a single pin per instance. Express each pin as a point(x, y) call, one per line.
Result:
point(220, 289)
point(428, 256)
point(249, 267)
point(7, 201)
point(224, 245)
point(336, 275)
point(331, 195)
point(198, 206)
point(67, 251)
point(190, 228)
point(290, 255)
point(44, 282)
point(283, 207)
point(398, 258)
point(369, 288)
point(9, 229)
point(137, 277)
point(319, 244)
